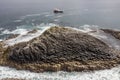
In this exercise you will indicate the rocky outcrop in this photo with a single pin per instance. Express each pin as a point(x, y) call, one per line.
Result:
point(61, 44)
point(114, 33)
point(60, 48)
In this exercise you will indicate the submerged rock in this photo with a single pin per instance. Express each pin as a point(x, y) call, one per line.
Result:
point(12, 36)
point(60, 48)
point(33, 31)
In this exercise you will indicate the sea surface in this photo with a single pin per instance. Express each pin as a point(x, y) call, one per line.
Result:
point(22, 16)
point(30, 14)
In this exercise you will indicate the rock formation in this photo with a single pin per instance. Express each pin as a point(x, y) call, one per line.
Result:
point(114, 33)
point(60, 48)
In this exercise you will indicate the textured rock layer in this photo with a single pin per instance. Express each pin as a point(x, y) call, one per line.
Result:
point(60, 48)
point(61, 45)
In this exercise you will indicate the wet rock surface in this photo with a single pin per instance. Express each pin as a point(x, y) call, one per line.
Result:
point(114, 33)
point(60, 48)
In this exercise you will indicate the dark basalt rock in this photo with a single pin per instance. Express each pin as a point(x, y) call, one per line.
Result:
point(59, 45)
point(114, 33)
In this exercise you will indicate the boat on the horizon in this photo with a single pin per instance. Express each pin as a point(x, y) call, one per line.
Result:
point(57, 11)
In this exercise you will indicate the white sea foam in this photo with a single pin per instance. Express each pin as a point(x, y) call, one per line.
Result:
point(1, 40)
point(96, 32)
point(25, 36)
point(21, 38)
point(17, 21)
point(16, 31)
point(48, 15)
point(1, 29)
point(88, 28)
point(111, 74)
point(107, 38)
point(32, 15)
point(56, 20)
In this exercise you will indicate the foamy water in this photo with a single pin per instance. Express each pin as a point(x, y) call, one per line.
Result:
point(17, 31)
point(1, 40)
point(111, 74)
point(96, 32)
point(24, 35)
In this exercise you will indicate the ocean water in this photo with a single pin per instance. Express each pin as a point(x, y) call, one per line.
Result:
point(27, 14)
point(22, 16)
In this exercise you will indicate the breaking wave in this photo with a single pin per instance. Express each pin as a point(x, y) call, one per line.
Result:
point(112, 74)
point(1, 40)
point(17, 31)
point(24, 36)
point(98, 33)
